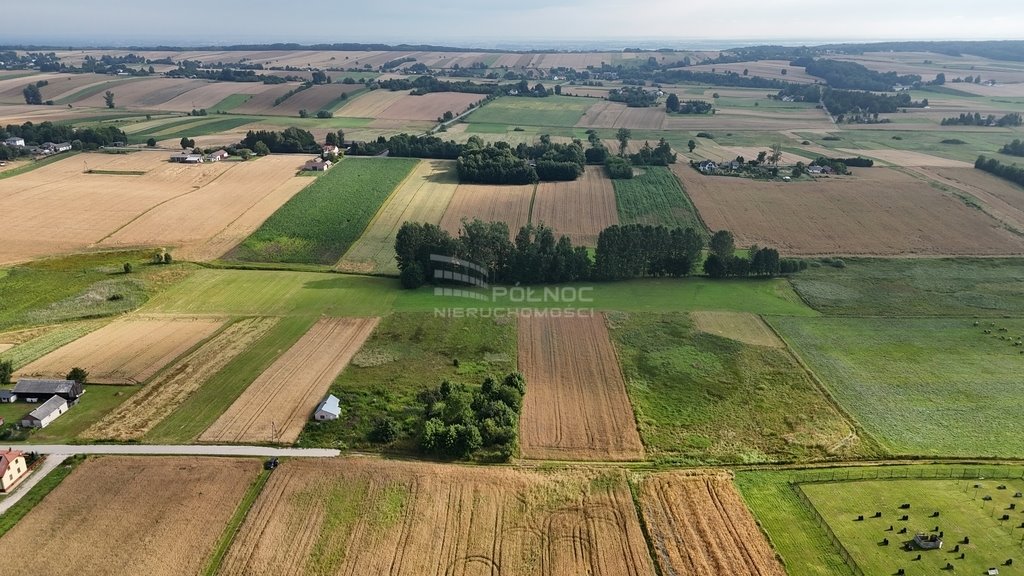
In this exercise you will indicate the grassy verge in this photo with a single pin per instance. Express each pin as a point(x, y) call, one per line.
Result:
point(37, 493)
point(231, 530)
point(204, 406)
point(320, 222)
point(655, 197)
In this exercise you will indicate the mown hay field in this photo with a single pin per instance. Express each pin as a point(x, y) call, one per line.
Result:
point(580, 209)
point(576, 407)
point(171, 510)
point(740, 326)
point(275, 407)
point(378, 518)
point(126, 351)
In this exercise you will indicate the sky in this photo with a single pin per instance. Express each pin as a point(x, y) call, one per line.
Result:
point(520, 23)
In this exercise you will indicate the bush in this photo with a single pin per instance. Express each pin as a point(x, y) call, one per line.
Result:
point(127, 267)
point(151, 142)
point(80, 375)
point(707, 135)
point(384, 430)
point(167, 258)
point(6, 371)
point(618, 168)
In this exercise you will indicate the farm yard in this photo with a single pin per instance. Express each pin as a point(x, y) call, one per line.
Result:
point(394, 518)
point(579, 411)
point(276, 406)
point(109, 501)
point(127, 351)
point(580, 209)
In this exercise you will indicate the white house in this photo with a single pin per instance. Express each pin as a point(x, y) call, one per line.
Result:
point(46, 413)
point(217, 156)
point(15, 142)
point(329, 409)
point(317, 165)
point(330, 149)
point(13, 469)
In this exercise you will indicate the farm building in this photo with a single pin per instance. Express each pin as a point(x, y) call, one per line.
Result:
point(13, 469)
point(330, 149)
point(818, 170)
point(707, 166)
point(46, 413)
point(19, 142)
point(51, 148)
point(329, 409)
point(217, 156)
point(927, 542)
point(33, 390)
point(187, 158)
point(7, 396)
point(317, 165)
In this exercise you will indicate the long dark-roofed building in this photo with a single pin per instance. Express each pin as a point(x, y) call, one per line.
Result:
point(36, 390)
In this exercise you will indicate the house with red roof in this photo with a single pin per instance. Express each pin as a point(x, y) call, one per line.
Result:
point(13, 469)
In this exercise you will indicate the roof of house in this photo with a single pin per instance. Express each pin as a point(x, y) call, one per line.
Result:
point(223, 153)
point(331, 405)
point(7, 458)
point(48, 407)
point(30, 386)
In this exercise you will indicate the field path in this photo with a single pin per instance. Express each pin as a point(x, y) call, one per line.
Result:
point(174, 450)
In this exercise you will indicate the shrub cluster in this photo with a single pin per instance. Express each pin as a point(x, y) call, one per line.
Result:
point(459, 423)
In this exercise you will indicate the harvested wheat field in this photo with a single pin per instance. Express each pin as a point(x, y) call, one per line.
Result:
point(314, 99)
point(617, 115)
point(423, 197)
point(580, 209)
point(751, 152)
point(282, 399)
point(576, 406)
point(126, 351)
point(700, 526)
point(740, 326)
point(209, 220)
point(134, 515)
point(209, 95)
point(372, 104)
point(149, 406)
point(429, 107)
point(146, 93)
point(263, 102)
point(358, 516)
point(907, 158)
point(509, 204)
point(877, 211)
point(1001, 198)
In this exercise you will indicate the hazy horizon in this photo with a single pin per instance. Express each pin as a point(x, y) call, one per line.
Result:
point(555, 24)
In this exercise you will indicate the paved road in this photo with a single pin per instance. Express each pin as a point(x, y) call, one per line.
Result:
point(38, 474)
point(173, 450)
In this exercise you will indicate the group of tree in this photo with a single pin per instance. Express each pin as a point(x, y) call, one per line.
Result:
point(409, 146)
point(976, 119)
point(494, 165)
point(853, 76)
point(460, 423)
point(289, 141)
point(638, 250)
point(723, 261)
point(499, 163)
point(618, 168)
point(840, 102)
point(1010, 172)
point(430, 84)
point(660, 155)
point(727, 78)
point(32, 94)
point(227, 73)
point(87, 138)
point(633, 96)
point(674, 105)
point(1015, 148)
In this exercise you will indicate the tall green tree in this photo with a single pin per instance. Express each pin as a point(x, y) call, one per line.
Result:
point(108, 98)
point(623, 136)
point(722, 244)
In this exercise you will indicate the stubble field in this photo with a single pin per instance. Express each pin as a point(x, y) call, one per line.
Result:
point(376, 518)
point(580, 209)
point(283, 398)
point(576, 406)
point(510, 204)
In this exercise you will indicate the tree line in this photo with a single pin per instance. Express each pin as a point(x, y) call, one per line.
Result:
point(1015, 148)
point(289, 141)
point(1010, 172)
point(853, 76)
point(674, 105)
point(723, 261)
point(89, 138)
point(976, 119)
point(633, 96)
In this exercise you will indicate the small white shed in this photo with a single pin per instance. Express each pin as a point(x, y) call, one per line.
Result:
point(329, 409)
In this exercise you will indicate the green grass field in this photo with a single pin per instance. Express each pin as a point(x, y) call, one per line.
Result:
point(980, 140)
point(95, 403)
point(931, 386)
point(963, 513)
point(552, 111)
point(260, 292)
point(655, 197)
point(230, 103)
point(320, 222)
point(704, 399)
point(205, 405)
point(39, 346)
point(915, 287)
point(409, 353)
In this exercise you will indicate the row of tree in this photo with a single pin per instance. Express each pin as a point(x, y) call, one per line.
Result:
point(88, 138)
point(633, 96)
point(1015, 148)
point(853, 76)
point(289, 141)
point(976, 119)
point(674, 105)
point(1010, 172)
point(723, 261)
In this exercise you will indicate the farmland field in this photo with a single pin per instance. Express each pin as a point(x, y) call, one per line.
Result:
point(320, 222)
point(371, 104)
point(848, 215)
point(580, 209)
point(740, 326)
point(999, 198)
point(509, 204)
point(700, 525)
point(423, 197)
point(276, 406)
point(576, 406)
point(390, 518)
point(962, 512)
point(314, 99)
point(159, 398)
point(706, 399)
point(127, 351)
point(552, 111)
point(107, 502)
point(654, 197)
point(934, 386)
point(428, 107)
point(617, 115)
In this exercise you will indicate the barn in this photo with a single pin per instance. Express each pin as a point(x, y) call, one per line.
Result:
point(46, 413)
point(329, 409)
point(34, 390)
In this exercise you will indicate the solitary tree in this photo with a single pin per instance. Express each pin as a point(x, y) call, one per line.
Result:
point(6, 371)
point(127, 267)
point(722, 244)
point(151, 142)
point(186, 143)
point(80, 375)
point(776, 154)
point(32, 94)
point(623, 136)
point(691, 145)
point(108, 97)
point(672, 103)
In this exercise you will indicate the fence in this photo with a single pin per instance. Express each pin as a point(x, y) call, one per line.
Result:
point(823, 524)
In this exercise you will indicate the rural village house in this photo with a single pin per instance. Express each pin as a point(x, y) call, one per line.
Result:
point(46, 413)
point(317, 165)
point(330, 149)
point(19, 142)
point(187, 158)
point(329, 409)
point(217, 156)
point(34, 390)
point(13, 469)
point(7, 396)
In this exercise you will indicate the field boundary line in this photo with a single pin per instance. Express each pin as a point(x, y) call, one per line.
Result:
point(234, 526)
point(377, 214)
point(633, 481)
point(822, 523)
point(857, 427)
point(686, 195)
point(533, 202)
